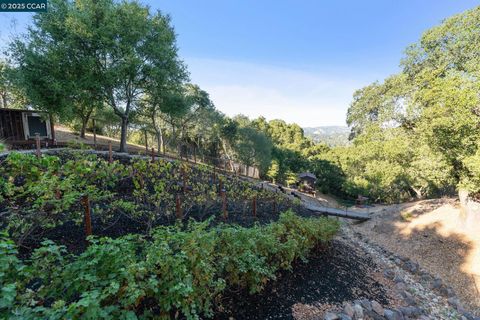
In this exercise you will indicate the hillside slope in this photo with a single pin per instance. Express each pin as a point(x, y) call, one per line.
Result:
point(331, 135)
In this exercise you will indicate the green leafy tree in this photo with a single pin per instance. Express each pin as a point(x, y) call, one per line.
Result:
point(55, 65)
point(273, 170)
point(253, 148)
point(11, 94)
point(103, 51)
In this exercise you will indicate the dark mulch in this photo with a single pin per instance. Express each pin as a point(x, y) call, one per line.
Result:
point(72, 235)
point(330, 277)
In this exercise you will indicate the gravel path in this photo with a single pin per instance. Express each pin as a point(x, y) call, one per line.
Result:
point(431, 233)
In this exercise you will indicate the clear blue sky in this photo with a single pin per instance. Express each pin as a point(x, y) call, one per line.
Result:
point(296, 60)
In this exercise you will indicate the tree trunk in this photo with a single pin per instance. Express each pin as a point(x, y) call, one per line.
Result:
point(84, 128)
point(418, 192)
point(146, 140)
point(160, 144)
point(123, 135)
point(4, 100)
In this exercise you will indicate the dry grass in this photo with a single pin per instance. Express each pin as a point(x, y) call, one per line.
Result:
point(65, 134)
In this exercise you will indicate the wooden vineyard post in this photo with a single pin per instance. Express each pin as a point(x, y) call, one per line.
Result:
point(178, 207)
point(254, 206)
point(214, 177)
point(110, 156)
point(94, 134)
point(224, 204)
point(88, 217)
point(37, 143)
point(220, 187)
point(153, 155)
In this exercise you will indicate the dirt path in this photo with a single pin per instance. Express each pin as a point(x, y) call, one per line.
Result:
point(435, 234)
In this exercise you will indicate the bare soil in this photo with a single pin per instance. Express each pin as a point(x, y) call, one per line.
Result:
point(438, 235)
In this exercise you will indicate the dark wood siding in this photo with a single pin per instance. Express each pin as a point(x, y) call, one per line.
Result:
point(11, 125)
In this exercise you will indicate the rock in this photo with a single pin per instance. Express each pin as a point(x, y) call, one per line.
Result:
point(443, 291)
point(358, 311)
point(393, 315)
point(398, 278)
point(365, 303)
point(377, 307)
point(468, 315)
point(426, 277)
point(343, 316)
point(330, 316)
point(411, 311)
point(408, 298)
point(411, 266)
point(401, 286)
point(348, 310)
point(461, 309)
point(450, 292)
point(454, 302)
point(437, 283)
point(371, 315)
point(389, 274)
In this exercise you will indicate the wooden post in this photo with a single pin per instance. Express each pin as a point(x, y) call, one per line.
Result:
point(88, 217)
point(37, 142)
point(110, 155)
point(94, 134)
point(220, 187)
point(178, 207)
point(254, 205)
point(224, 204)
point(153, 155)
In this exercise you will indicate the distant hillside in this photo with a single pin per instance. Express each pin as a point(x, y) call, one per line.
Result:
point(331, 135)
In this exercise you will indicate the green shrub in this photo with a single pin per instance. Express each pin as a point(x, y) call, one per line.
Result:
point(177, 271)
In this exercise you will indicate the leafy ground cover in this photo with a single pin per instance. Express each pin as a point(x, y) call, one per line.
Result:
point(175, 271)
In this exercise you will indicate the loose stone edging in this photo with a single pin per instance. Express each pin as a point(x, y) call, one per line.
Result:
point(424, 296)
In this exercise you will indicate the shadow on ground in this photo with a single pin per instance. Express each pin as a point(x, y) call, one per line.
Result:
point(437, 235)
